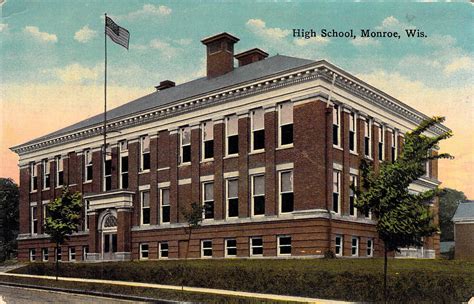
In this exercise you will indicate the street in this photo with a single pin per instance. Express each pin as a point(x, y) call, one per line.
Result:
point(19, 295)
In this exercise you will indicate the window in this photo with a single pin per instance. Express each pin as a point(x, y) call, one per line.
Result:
point(59, 171)
point(232, 192)
point(46, 174)
point(284, 245)
point(33, 177)
point(163, 250)
point(381, 143)
point(367, 138)
point(258, 130)
point(394, 145)
point(108, 170)
point(352, 208)
point(285, 123)
point(85, 251)
point(206, 249)
point(72, 254)
point(336, 189)
point(45, 212)
point(145, 153)
point(123, 147)
point(165, 205)
point(144, 251)
point(286, 192)
point(258, 195)
point(208, 200)
point(230, 248)
point(355, 246)
point(44, 254)
point(58, 254)
point(370, 247)
point(353, 132)
point(88, 165)
point(336, 126)
point(256, 246)
point(339, 245)
point(232, 135)
point(145, 208)
point(185, 145)
point(86, 217)
point(32, 255)
point(427, 165)
point(34, 220)
point(207, 140)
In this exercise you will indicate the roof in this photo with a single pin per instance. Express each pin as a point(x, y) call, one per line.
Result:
point(465, 212)
point(272, 65)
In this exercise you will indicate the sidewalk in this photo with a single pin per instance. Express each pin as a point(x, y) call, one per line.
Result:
point(222, 292)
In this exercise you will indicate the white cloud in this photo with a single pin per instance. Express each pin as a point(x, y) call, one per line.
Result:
point(392, 23)
point(42, 36)
point(464, 63)
point(364, 41)
point(318, 40)
point(147, 11)
point(259, 28)
point(3, 27)
point(165, 48)
point(85, 34)
point(76, 73)
point(184, 41)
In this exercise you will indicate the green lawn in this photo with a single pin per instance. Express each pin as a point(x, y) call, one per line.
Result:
point(410, 280)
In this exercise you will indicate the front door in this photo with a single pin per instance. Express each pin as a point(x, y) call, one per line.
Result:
point(109, 242)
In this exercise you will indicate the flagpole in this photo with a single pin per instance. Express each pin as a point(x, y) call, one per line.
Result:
point(105, 86)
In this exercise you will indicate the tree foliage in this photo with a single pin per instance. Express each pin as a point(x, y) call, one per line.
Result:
point(9, 224)
point(448, 203)
point(403, 218)
point(64, 215)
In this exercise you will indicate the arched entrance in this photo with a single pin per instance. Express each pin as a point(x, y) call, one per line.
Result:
point(109, 235)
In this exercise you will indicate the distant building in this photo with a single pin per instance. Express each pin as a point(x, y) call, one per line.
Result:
point(270, 148)
point(464, 231)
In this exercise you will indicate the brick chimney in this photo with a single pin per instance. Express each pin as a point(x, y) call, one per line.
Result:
point(220, 54)
point(251, 56)
point(165, 85)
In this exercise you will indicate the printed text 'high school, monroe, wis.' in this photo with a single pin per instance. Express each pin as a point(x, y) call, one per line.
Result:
point(353, 34)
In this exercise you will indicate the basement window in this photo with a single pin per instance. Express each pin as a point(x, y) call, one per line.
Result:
point(355, 246)
point(284, 245)
point(32, 255)
point(144, 251)
point(232, 137)
point(206, 249)
point(339, 245)
point(72, 254)
point(370, 247)
point(207, 140)
point(285, 123)
point(256, 246)
point(163, 250)
point(44, 254)
point(231, 248)
point(258, 130)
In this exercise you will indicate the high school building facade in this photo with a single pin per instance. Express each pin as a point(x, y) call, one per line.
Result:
point(270, 148)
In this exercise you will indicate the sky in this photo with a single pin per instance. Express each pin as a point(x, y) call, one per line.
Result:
point(52, 58)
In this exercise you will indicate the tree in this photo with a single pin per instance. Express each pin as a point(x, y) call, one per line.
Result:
point(64, 214)
point(9, 225)
point(448, 203)
point(403, 218)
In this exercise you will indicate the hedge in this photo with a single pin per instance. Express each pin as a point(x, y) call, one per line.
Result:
point(409, 286)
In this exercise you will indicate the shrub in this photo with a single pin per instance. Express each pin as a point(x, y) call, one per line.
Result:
point(329, 254)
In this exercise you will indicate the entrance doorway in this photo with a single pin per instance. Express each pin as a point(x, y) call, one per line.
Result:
point(109, 237)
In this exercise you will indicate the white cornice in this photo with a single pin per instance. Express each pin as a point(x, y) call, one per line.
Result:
point(317, 70)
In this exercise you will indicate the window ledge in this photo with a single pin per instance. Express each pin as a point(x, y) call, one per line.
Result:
point(34, 191)
point(162, 169)
point(353, 153)
point(337, 147)
point(87, 182)
point(184, 164)
point(257, 152)
point(45, 189)
point(207, 160)
point(284, 147)
point(58, 187)
point(144, 171)
point(231, 156)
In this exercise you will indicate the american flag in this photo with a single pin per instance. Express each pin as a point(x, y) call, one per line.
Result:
point(117, 33)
